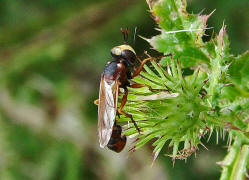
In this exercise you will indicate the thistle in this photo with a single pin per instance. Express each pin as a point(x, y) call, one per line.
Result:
point(181, 108)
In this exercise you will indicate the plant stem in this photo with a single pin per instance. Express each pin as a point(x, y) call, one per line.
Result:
point(240, 166)
point(236, 162)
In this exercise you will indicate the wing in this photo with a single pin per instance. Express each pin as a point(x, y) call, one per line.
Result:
point(108, 97)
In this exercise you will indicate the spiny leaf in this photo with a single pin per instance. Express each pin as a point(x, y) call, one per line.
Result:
point(239, 74)
point(181, 108)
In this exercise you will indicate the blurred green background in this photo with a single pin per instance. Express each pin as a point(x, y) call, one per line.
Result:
point(52, 53)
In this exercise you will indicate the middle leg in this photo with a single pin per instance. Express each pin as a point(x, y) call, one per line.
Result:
point(137, 85)
point(120, 110)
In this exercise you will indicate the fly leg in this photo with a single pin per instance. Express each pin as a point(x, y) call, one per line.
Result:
point(119, 92)
point(124, 99)
point(120, 110)
point(137, 85)
point(139, 69)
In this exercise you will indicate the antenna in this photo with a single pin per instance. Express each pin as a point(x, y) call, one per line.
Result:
point(134, 36)
point(125, 34)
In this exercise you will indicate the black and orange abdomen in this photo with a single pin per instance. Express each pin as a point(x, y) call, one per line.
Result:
point(117, 142)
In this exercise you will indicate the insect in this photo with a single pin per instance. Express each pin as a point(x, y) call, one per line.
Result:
point(116, 75)
point(117, 142)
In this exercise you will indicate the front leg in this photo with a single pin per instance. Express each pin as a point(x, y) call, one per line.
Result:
point(139, 69)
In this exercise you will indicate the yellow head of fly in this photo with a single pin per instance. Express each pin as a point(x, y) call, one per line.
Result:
point(124, 52)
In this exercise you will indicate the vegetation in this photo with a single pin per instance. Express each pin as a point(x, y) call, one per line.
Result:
point(202, 89)
point(52, 54)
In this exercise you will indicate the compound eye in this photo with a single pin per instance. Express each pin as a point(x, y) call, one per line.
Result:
point(128, 55)
point(116, 51)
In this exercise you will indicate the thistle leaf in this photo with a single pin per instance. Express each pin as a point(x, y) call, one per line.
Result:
point(181, 108)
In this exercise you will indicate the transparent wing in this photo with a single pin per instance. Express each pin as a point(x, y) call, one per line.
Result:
point(108, 96)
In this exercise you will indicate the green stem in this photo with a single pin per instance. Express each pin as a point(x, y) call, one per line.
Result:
point(236, 162)
point(241, 164)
